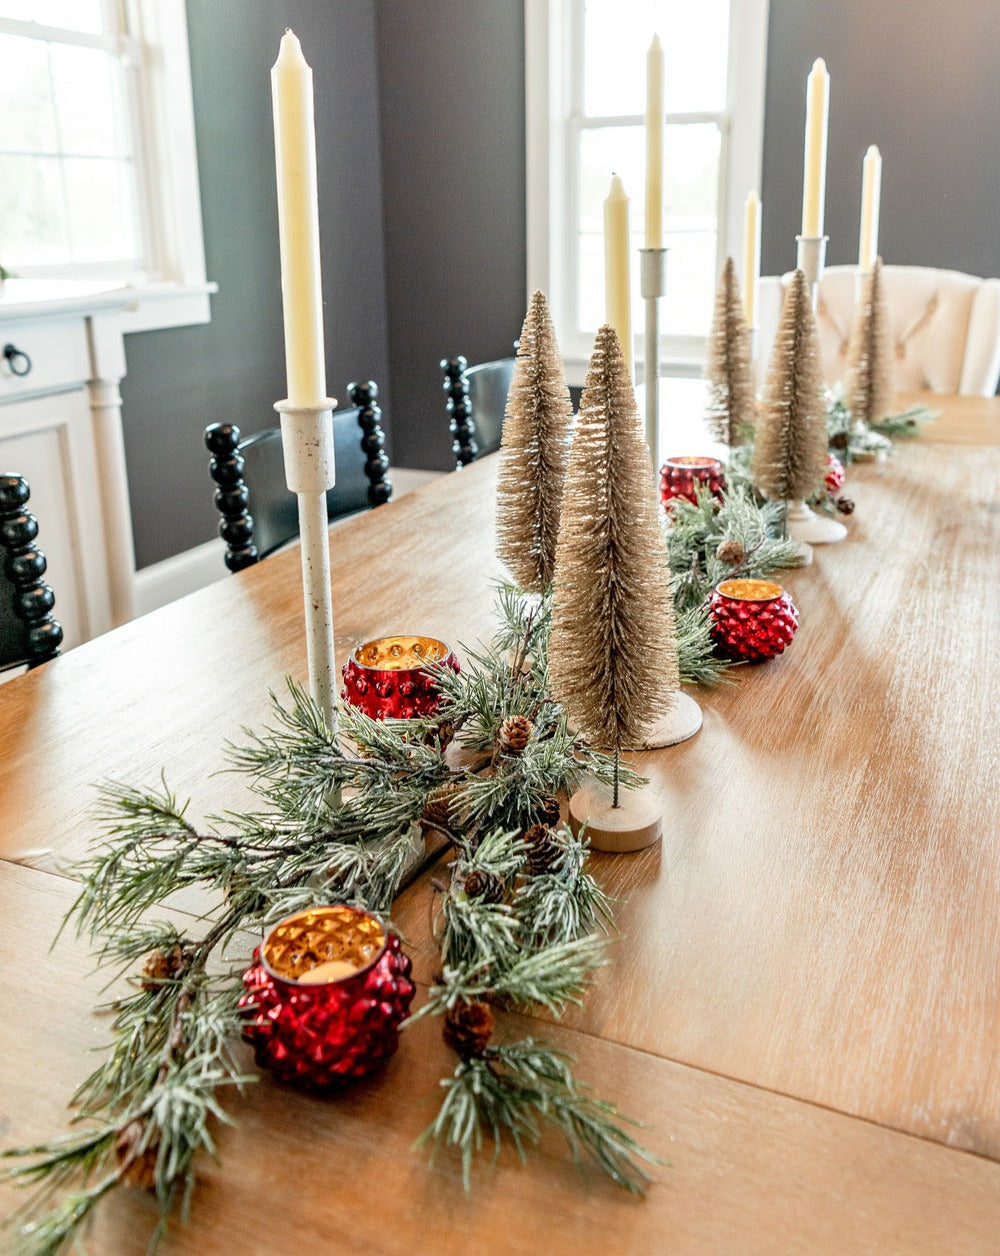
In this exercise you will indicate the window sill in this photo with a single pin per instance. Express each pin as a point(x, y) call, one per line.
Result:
point(142, 307)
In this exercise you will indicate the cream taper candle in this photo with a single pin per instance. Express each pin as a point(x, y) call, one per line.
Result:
point(871, 190)
point(814, 175)
point(298, 224)
point(655, 120)
point(617, 266)
point(751, 257)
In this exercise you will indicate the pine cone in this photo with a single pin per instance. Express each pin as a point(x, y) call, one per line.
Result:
point(731, 552)
point(515, 733)
point(550, 813)
point(542, 847)
point(468, 1027)
point(438, 804)
point(440, 735)
point(161, 966)
point(845, 505)
point(478, 883)
point(839, 440)
point(138, 1167)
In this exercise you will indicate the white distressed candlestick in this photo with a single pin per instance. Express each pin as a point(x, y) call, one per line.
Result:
point(652, 284)
point(307, 444)
point(811, 260)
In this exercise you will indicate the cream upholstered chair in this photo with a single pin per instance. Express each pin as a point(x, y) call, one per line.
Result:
point(946, 326)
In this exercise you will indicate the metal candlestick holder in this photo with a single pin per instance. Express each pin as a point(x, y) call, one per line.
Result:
point(811, 259)
point(652, 284)
point(753, 339)
point(307, 444)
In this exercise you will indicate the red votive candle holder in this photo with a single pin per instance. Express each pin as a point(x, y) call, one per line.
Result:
point(325, 996)
point(835, 474)
point(751, 620)
point(680, 476)
point(389, 678)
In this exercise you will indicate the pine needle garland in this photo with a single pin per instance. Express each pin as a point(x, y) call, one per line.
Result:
point(731, 395)
point(612, 651)
point(533, 453)
point(789, 459)
point(870, 357)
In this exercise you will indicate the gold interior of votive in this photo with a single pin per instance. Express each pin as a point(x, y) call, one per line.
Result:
point(322, 934)
point(400, 653)
point(693, 460)
point(751, 590)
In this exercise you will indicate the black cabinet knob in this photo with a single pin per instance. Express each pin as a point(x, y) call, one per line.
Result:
point(17, 360)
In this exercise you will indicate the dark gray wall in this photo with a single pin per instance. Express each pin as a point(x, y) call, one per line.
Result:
point(919, 79)
point(233, 368)
point(451, 78)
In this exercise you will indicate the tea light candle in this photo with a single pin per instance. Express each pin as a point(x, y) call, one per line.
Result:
point(388, 678)
point(679, 477)
point(332, 970)
point(751, 620)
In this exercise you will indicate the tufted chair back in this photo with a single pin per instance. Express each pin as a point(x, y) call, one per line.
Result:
point(946, 326)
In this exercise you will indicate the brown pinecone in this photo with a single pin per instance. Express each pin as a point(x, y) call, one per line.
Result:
point(160, 966)
point(440, 735)
point(138, 1167)
point(468, 1027)
point(542, 847)
point(839, 441)
point(731, 552)
point(550, 813)
point(515, 733)
point(478, 883)
point(845, 505)
point(438, 804)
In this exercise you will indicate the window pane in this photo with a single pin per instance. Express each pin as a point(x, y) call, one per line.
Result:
point(686, 309)
point(29, 123)
point(73, 15)
point(617, 36)
point(33, 229)
point(102, 213)
point(88, 97)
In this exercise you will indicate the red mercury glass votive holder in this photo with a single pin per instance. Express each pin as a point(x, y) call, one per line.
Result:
point(680, 476)
point(325, 996)
point(751, 620)
point(835, 474)
point(389, 678)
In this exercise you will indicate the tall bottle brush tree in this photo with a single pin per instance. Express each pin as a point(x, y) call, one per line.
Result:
point(870, 392)
point(730, 412)
point(534, 453)
point(789, 458)
point(613, 651)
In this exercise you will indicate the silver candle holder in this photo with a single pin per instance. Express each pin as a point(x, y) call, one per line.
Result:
point(652, 285)
point(307, 445)
point(811, 260)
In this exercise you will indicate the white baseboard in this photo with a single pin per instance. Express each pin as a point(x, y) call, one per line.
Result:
point(175, 577)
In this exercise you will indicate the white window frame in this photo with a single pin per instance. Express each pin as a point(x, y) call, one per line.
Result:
point(172, 289)
point(551, 27)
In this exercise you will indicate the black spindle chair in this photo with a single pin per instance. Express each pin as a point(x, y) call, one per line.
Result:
point(28, 632)
point(477, 398)
point(258, 513)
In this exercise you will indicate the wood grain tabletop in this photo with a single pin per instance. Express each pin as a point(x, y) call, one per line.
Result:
point(805, 998)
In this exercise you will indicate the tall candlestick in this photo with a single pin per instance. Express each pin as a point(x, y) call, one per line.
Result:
point(871, 189)
point(814, 177)
point(751, 257)
point(617, 268)
point(307, 414)
point(655, 118)
point(298, 224)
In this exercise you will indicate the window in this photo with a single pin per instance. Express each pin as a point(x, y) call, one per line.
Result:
point(98, 171)
point(585, 102)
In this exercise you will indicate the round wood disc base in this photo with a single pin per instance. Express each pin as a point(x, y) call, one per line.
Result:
point(805, 525)
point(634, 824)
point(681, 722)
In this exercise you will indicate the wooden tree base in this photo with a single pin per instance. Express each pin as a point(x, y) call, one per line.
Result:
point(805, 525)
point(634, 824)
point(681, 722)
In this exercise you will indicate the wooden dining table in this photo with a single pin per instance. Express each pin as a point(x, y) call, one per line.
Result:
point(803, 1004)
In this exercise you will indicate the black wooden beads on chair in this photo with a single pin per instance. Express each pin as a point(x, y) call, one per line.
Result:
point(476, 400)
point(258, 513)
point(28, 632)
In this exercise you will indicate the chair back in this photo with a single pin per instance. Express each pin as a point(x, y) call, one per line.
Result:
point(28, 632)
point(477, 399)
point(259, 514)
point(945, 326)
